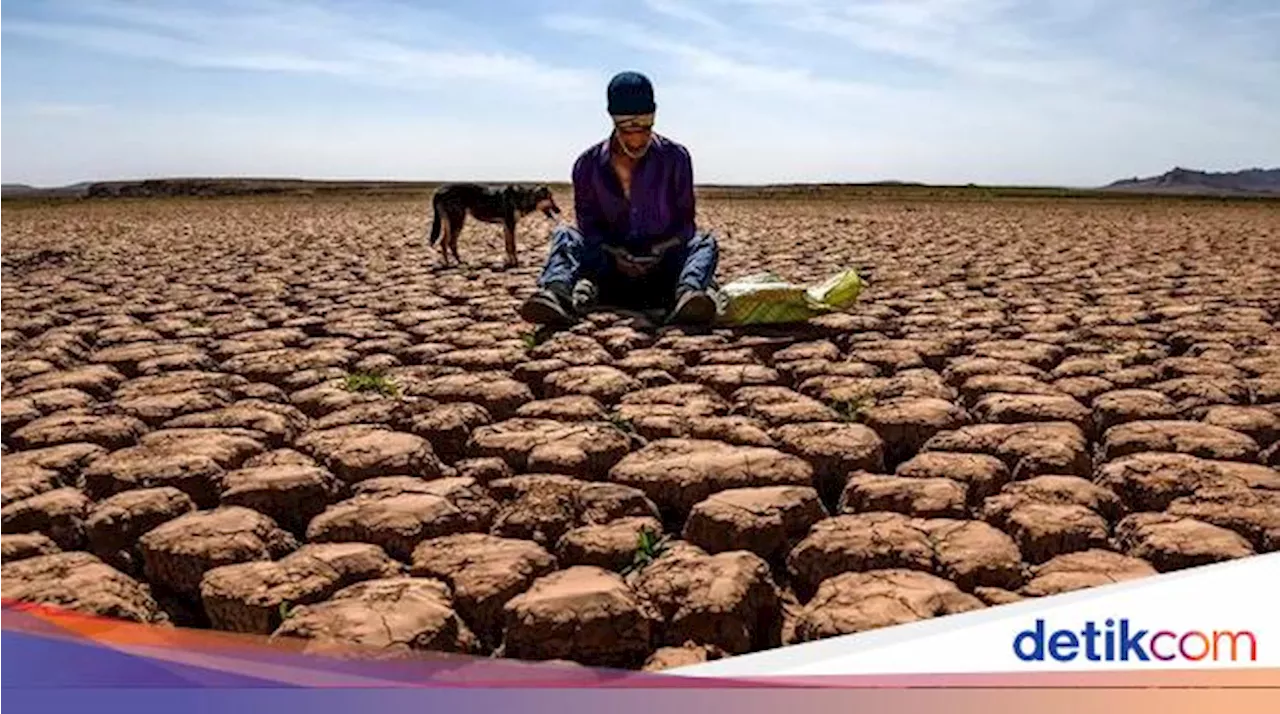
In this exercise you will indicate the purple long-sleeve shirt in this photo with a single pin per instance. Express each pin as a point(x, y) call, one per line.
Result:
point(661, 205)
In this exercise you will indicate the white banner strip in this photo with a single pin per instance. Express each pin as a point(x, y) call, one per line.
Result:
point(1225, 615)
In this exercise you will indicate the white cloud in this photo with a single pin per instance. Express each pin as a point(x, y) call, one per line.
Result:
point(683, 12)
point(161, 145)
point(297, 38)
point(1089, 47)
point(53, 109)
point(705, 65)
point(968, 40)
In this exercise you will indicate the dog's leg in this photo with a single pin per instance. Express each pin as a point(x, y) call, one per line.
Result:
point(455, 231)
point(509, 233)
point(446, 236)
point(433, 234)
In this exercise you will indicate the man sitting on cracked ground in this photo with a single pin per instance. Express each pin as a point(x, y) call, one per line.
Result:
point(636, 246)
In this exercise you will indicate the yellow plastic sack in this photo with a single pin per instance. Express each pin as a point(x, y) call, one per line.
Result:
point(765, 298)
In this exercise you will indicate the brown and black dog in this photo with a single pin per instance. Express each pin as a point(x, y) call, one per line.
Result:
point(452, 202)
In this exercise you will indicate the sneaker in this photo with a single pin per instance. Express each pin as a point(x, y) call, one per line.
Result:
point(693, 307)
point(585, 297)
point(546, 307)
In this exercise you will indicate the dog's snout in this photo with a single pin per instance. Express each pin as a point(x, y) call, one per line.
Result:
point(549, 207)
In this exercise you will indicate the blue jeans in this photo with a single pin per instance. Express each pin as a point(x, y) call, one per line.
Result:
point(690, 266)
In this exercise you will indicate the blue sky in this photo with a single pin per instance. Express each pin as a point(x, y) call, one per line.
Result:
point(1065, 92)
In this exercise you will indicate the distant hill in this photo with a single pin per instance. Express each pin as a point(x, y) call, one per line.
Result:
point(22, 190)
point(163, 188)
point(16, 190)
point(207, 187)
point(1250, 182)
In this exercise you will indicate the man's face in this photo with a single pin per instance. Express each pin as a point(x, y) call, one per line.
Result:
point(634, 132)
point(635, 139)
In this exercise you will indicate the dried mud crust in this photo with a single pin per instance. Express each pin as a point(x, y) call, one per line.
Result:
point(215, 419)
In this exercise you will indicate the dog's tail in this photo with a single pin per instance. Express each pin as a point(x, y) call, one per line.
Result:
point(435, 221)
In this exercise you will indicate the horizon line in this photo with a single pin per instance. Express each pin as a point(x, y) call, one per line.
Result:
point(712, 184)
point(535, 180)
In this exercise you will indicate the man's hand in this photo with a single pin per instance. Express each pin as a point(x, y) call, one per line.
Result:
point(636, 266)
point(628, 264)
point(661, 249)
point(631, 267)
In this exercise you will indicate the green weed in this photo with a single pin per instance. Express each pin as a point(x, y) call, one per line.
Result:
point(648, 548)
point(854, 409)
point(537, 337)
point(370, 382)
point(621, 423)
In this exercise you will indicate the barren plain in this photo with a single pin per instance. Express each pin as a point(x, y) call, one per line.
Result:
point(280, 416)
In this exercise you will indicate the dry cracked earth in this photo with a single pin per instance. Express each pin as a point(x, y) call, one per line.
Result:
point(282, 417)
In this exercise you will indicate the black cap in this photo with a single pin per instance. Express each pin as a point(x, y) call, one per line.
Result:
point(631, 93)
